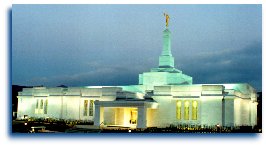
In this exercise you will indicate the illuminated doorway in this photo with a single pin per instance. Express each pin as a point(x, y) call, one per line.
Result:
point(133, 116)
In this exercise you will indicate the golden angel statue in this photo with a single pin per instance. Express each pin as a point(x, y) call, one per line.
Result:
point(166, 19)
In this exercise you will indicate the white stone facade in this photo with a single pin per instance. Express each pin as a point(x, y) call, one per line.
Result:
point(226, 105)
point(165, 96)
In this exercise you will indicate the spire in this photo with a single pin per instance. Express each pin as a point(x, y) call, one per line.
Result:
point(166, 73)
point(166, 60)
point(166, 43)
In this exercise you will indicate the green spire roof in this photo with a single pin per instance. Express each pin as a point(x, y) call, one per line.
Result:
point(166, 59)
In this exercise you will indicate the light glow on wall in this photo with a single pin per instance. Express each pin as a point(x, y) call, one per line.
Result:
point(22, 106)
point(130, 116)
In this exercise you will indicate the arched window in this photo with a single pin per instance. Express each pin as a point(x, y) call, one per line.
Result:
point(91, 108)
point(186, 110)
point(178, 109)
point(194, 110)
point(45, 106)
point(85, 112)
point(41, 104)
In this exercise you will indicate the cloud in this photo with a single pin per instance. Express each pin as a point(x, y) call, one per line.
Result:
point(220, 66)
point(227, 66)
point(98, 75)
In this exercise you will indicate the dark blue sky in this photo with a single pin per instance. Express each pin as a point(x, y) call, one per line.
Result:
point(81, 45)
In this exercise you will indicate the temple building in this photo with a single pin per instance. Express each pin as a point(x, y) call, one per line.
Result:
point(164, 96)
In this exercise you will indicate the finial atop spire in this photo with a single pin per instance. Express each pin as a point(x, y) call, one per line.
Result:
point(167, 17)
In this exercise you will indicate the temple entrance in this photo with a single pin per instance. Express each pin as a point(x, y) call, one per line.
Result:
point(131, 114)
point(120, 116)
point(126, 117)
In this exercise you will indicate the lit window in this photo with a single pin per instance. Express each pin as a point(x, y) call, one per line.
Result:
point(37, 107)
point(186, 110)
point(45, 106)
point(91, 108)
point(41, 104)
point(194, 110)
point(178, 109)
point(85, 113)
point(37, 104)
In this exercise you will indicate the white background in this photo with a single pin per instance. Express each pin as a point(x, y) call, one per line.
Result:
point(159, 139)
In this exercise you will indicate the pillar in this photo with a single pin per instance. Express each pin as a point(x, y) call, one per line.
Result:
point(98, 118)
point(142, 110)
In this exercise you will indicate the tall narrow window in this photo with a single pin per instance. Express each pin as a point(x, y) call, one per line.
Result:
point(37, 104)
point(178, 109)
point(37, 107)
point(186, 110)
point(45, 106)
point(85, 112)
point(194, 110)
point(41, 104)
point(91, 108)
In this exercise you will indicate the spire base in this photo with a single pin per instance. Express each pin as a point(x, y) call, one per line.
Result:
point(166, 60)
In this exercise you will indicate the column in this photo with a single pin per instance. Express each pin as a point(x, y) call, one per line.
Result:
point(98, 118)
point(141, 117)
